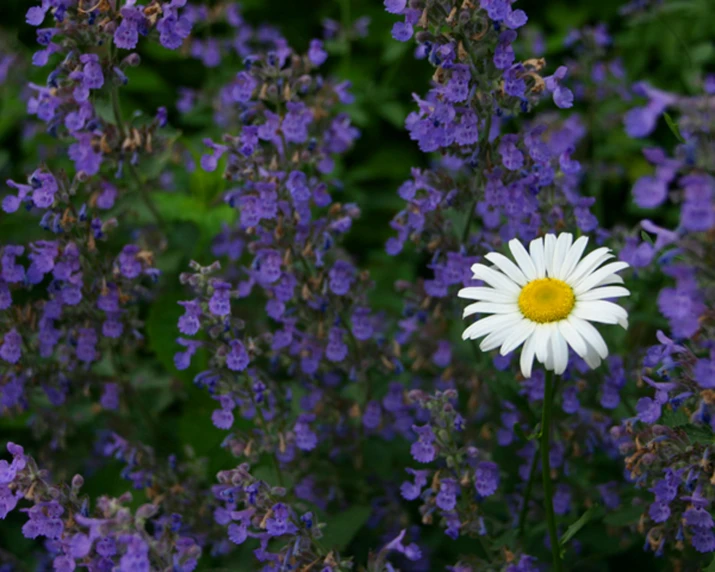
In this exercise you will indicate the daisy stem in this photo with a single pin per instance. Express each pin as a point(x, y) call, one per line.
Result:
point(546, 471)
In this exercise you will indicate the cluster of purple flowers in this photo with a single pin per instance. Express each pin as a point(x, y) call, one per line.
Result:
point(110, 536)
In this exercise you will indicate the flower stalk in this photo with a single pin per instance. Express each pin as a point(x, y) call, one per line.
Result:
point(546, 471)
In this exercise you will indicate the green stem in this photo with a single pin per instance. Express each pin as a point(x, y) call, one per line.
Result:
point(527, 493)
point(143, 191)
point(264, 427)
point(546, 472)
point(347, 32)
point(468, 224)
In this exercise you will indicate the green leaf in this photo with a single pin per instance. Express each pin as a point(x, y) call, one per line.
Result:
point(342, 528)
point(711, 566)
point(699, 434)
point(673, 127)
point(594, 512)
point(625, 516)
point(676, 418)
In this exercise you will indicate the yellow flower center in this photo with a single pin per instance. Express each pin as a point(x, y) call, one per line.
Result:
point(546, 300)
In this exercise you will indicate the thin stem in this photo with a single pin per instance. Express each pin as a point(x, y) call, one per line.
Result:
point(264, 426)
point(527, 492)
point(143, 191)
point(346, 22)
point(468, 224)
point(546, 472)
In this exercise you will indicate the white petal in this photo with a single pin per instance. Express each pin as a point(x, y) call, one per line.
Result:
point(573, 338)
point(507, 267)
point(606, 308)
point(536, 250)
point(604, 293)
point(487, 295)
point(560, 351)
point(588, 264)
point(549, 248)
point(610, 279)
point(563, 245)
point(592, 359)
point(542, 334)
point(526, 361)
point(523, 259)
point(489, 324)
point(572, 258)
point(593, 314)
point(489, 308)
point(495, 339)
point(517, 336)
point(494, 278)
point(590, 334)
point(592, 280)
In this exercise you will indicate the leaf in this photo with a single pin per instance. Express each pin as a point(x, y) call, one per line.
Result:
point(676, 418)
point(594, 512)
point(342, 528)
point(711, 566)
point(673, 127)
point(699, 434)
point(625, 516)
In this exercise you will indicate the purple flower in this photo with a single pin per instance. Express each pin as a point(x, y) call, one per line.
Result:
point(410, 491)
point(296, 121)
point(486, 478)
point(11, 348)
point(395, 6)
point(128, 262)
point(35, 15)
point(402, 31)
point(220, 301)
point(305, 438)
point(423, 450)
point(341, 277)
point(316, 54)
point(336, 349)
point(237, 359)
point(447, 497)
point(279, 522)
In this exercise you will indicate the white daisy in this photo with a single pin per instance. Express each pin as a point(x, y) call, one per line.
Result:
point(546, 301)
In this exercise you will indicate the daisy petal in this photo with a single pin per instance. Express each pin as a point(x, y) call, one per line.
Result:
point(611, 279)
point(563, 245)
point(592, 359)
point(589, 263)
point(572, 258)
point(593, 315)
point(536, 250)
point(517, 336)
point(526, 361)
point(486, 294)
point(604, 293)
point(489, 324)
point(573, 338)
point(593, 279)
point(543, 333)
point(494, 340)
point(560, 351)
point(605, 309)
point(549, 248)
point(494, 278)
point(507, 267)
point(489, 308)
point(526, 264)
point(590, 334)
